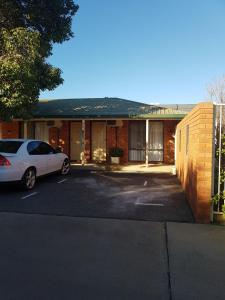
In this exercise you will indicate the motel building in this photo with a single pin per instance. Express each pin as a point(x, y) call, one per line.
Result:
point(86, 129)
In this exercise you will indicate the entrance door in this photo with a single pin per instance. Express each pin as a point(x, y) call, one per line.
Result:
point(99, 141)
point(75, 141)
point(137, 140)
point(155, 151)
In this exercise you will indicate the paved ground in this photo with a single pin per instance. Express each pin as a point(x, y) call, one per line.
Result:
point(197, 261)
point(52, 257)
point(86, 193)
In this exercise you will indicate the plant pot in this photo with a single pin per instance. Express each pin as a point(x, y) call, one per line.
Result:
point(115, 160)
point(219, 218)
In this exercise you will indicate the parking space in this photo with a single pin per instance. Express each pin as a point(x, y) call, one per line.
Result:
point(86, 193)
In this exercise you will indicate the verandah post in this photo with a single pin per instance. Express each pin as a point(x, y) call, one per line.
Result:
point(83, 143)
point(146, 142)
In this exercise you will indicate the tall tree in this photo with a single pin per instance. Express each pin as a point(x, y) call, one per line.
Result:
point(216, 90)
point(28, 30)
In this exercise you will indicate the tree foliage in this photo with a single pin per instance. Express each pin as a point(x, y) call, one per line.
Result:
point(28, 30)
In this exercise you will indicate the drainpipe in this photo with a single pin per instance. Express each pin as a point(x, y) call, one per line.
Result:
point(147, 143)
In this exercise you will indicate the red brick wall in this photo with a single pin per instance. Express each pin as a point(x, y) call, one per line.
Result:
point(10, 130)
point(195, 166)
point(87, 151)
point(118, 136)
point(169, 141)
point(54, 136)
point(123, 141)
point(64, 137)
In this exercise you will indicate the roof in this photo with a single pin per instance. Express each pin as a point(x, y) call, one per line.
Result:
point(182, 107)
point(102, 108)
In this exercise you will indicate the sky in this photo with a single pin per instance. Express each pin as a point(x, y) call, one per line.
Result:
point(152, 51)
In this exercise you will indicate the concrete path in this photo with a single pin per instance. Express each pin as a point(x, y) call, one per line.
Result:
point(49, 257)
point(197, 261)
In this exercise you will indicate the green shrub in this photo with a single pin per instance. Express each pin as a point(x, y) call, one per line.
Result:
point(116, 152)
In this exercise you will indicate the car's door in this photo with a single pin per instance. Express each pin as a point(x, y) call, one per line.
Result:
point(52, 158)
point(37, 157)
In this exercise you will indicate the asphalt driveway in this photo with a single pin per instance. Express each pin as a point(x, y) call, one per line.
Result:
point(83, 193)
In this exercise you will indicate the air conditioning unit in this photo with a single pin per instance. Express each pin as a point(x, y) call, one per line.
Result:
point(115, 123)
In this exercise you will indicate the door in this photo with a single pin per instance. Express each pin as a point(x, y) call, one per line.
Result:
point(137, 140)
point(37, 158)
point(98, 141)
point(155, 151)
point(75, 141)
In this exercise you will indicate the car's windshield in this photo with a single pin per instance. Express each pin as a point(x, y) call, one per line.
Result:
point(10, 146)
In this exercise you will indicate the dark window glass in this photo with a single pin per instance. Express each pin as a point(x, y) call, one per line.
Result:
point(39, 148)
point(10, 146)
point(45, 148)
point(33, 148)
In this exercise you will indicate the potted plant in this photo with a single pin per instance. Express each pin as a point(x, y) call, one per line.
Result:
point(219, 211)
point(115, 154)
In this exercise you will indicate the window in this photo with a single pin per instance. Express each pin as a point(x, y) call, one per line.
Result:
point(180, 141)
point(33, 148)
point(187, 139)
point(45, 148)
point(10, 146)
point(39, 148)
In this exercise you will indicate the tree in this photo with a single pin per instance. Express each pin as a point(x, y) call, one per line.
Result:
point(28, 30)
point(216, 90)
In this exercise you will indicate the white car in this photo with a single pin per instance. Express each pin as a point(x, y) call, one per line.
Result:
point(25, 160)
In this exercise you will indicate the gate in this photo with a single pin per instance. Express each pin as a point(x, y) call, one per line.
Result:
point(219, 159)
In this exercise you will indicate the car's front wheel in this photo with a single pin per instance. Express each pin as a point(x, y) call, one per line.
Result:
point(29, 179)
point(65, 167)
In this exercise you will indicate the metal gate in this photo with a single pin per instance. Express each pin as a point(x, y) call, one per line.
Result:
point(219, 158)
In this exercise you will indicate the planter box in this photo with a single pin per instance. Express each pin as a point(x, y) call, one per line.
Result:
point(219, 218)
point(115, 160)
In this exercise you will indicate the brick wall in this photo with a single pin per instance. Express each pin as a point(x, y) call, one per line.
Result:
point(118, 136)
point(64, 137)
point(53, 134)
point(87, 144)
point(195, 159)
point(10, 130)
point(169, 141)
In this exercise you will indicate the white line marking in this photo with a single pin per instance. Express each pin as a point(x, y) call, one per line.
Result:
point(149, 204)
point(61, 181)
point(29, 195)
point(93, 172)
point(145, 183)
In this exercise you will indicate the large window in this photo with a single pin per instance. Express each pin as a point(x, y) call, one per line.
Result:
point(187, 139)
point(137, 141)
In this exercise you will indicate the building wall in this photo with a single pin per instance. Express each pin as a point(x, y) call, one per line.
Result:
point(118, 137)
point(9, 130)
point(194, 162)
point(59, 135)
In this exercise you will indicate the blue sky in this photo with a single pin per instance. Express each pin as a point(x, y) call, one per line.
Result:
point(153, 51)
